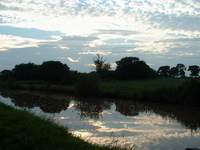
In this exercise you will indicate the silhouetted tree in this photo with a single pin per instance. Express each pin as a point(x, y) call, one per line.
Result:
point(54, 71)
point(99, 61)
point(133, 68)
point(106, 67)
point(164, 71)
point(174, 72)
point(181, 70)
point(6, 75)
point(100, 64)
point(26, 71)
point(178, 71)
point(194, 69)
point(135, 59)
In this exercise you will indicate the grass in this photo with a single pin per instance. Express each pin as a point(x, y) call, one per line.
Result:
point(128, 89)
point(173, 91)
point(20, 130)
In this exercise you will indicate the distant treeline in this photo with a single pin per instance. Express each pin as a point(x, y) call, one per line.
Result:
point(128, 68)
point(54, 76)
point(52, 71)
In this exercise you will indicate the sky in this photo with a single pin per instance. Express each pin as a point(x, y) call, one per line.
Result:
point(161, 32)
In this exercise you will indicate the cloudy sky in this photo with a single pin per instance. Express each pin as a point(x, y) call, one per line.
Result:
point(74, 31)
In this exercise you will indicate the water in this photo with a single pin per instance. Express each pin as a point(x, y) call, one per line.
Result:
point(121, 123)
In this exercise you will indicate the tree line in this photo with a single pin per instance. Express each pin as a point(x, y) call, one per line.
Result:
point(134, 68)
point(178, 71)
point(51, 71)
point(128, 68)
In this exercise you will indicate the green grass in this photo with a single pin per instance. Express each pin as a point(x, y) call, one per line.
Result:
point(20, 130)
point(138, 87)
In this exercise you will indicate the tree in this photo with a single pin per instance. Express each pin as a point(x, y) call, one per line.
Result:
point(178, 71)
point(106, 67)
point(181, 70)
point(133, 68)
point(135, 59)
point(26, 71)
point(6, 75)
point(54, 71)
point(164, 71)
point(174, 72)
point(100, 64)
point(126, 61)
point(194, 69)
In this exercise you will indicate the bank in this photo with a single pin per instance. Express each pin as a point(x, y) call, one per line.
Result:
point(21, 130)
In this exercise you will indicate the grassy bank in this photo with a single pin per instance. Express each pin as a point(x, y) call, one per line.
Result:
point(21, 130)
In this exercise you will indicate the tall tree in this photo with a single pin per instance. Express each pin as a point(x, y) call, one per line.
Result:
point(174, 72)
point(194, 70)
point(54, 71)
point(133, 68)
point(164, 71)
point(27, 71)
point(100, 64)
point(181, 70)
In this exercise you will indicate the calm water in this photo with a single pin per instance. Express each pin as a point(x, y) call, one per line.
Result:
point(123, 123)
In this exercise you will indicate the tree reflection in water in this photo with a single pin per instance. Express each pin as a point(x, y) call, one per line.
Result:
point(127, 109)
point(187, 116)
point(29, 100)
point(93, 108)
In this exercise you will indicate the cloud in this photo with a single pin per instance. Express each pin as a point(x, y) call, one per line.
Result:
point(73, 60)
point(87, 16)
point(91, 65)
point(8, 41)
point(95, 53)
point(113, 66)
point(117, 28)
point(63, 47)
point(96, 43)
